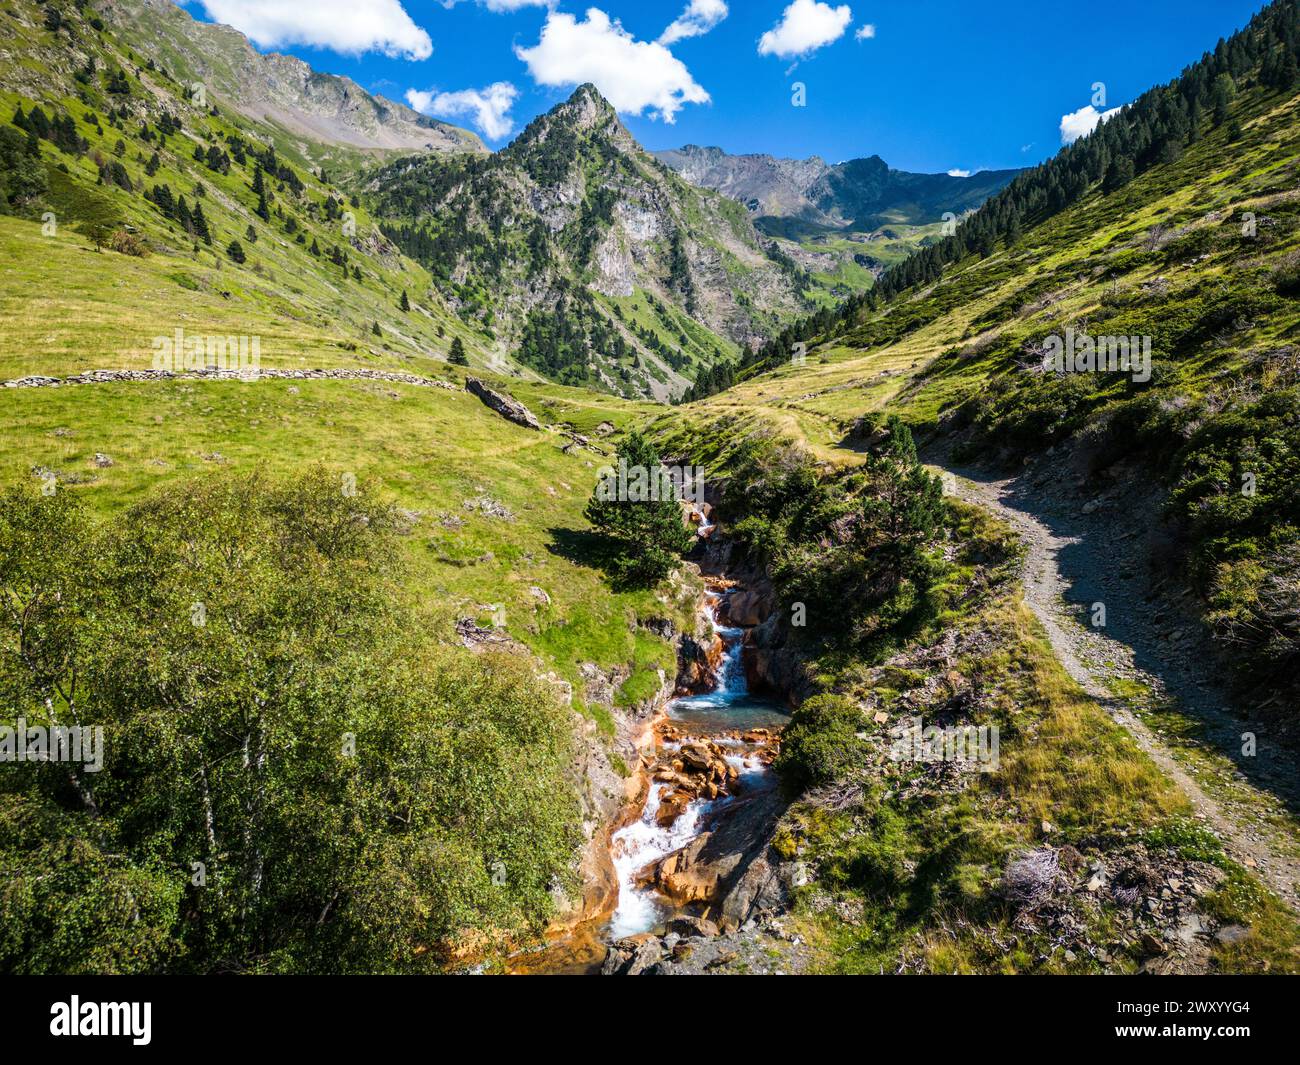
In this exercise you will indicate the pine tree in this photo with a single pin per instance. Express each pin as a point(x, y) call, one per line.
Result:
point(1119, 174)
point(404, 304)
point(646, 536)
point(1288, 73)
point(458, 356)
point(235, 251)
point(903, 511)
point(199, 223)
point(376, 330)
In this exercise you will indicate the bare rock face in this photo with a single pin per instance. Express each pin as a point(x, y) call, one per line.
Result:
point(772, 665)
point(510, 409)
point(698, 663)
point(763, 887)
point(278, 88)
point(748, 607)
point(716, 865)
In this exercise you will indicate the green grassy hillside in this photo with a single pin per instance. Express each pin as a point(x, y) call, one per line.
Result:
point(1198, 254)
point(100, 265)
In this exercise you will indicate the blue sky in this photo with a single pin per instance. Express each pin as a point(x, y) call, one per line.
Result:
point(929, 85)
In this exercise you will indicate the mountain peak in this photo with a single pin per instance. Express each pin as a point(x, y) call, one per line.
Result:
point(587, 109)
point(588, 91)
point(585, 114)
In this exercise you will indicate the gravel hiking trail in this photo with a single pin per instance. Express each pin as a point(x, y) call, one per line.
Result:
point(1074, 559)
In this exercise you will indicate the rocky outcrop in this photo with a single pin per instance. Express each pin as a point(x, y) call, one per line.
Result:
point(697, 769)
point(634, 956)
point(477, 638)
point(510, 409)
point(698, 661)
point(714, 868)
point(772, 665)
point(748, 606)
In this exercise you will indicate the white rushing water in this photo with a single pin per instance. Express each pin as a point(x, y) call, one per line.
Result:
point(644, 841)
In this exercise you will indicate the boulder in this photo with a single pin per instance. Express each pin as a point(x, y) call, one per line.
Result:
point(697, 664)
point(671, 807)
point(689, 927)
point(626, 958)
point(508, 408)
point(709, 867)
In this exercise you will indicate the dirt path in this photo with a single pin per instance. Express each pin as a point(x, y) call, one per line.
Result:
point(1252, 809)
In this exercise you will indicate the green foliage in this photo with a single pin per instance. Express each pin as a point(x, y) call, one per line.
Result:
point(22, 177)
point(645, 530)
point(72, 903)
point(820, 744)
point(355, 798)
point(902, 513)
point(1190, 841)
point(853, 548)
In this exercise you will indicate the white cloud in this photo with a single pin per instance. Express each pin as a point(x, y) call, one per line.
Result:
point(958, 173)
point(633, 75)
point(805, 26)
point(865, 33)
point(501, 6)
point(489, 108)
point(347, 26)
point(697, 19)
point(1083, 121)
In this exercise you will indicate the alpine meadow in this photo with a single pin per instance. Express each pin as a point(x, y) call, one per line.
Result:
point(494, 533)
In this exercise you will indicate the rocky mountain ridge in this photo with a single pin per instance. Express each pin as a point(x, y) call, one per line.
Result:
point(591, 262)
point(278, 89)
point(860, 193)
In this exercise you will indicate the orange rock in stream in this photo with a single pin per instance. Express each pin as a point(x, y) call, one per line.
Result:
point(671, 807)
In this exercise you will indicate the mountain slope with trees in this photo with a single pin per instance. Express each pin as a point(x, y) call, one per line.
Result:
point(279, 90)
point(1176, 222)
point(239, 225)
point(596, 264)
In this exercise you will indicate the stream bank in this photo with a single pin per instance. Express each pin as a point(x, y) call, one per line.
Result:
point(690, 851)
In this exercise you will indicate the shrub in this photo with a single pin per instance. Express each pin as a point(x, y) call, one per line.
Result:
point(820, 744)
point(128, 244)
point(353, 794)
